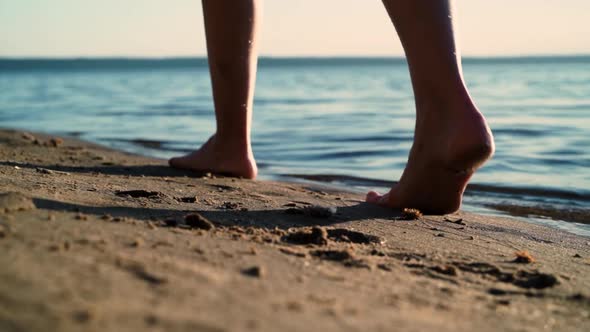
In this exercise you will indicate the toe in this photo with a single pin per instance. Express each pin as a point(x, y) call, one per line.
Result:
point(173, 161)
point(176, 162)
point(373, 197)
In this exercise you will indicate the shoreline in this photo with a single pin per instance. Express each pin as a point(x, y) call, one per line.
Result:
point(553, 207)
point(99, 239)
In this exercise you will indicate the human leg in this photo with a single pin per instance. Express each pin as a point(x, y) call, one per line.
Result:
point(452, 138)
point(230, 27)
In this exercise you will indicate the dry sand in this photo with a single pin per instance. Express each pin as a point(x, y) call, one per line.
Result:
point(93, 239)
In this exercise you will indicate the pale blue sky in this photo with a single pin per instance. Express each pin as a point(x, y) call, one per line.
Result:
point(70, 28)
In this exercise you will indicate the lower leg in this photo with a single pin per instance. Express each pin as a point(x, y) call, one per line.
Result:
point(231, 28)
point(451, 137)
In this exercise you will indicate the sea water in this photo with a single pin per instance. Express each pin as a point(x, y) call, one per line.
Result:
point(350, 120)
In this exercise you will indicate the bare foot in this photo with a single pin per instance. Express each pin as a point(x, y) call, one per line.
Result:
point(220, 158)
point(450, 143)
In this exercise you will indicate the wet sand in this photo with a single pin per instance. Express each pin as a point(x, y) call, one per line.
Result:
point(94, 239)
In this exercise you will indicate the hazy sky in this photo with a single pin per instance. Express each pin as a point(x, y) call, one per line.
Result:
point(290, 27)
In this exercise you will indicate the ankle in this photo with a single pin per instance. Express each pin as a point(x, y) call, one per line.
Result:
point(237, 146)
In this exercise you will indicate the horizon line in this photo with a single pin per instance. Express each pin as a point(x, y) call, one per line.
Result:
point(287, 57)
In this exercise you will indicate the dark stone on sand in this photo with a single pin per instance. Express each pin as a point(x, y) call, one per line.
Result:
point(12, 201)
point(315, 235)
point(254, 271)
point(195, 220)
point(138, 193)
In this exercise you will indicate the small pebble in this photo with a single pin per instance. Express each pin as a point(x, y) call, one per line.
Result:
point(254, 271)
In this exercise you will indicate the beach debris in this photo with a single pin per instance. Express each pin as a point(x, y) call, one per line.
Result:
point(523, 257)
point(81, 216)
point(50, 171)
point(411, 214)
point(138, 193)
point(315, 235)
point(346, 235)
point(440, 234)
point(13, 201)
point(577, 256)
point(55, 142)
point(255, 271)
point(195, 220)
point(317, 211)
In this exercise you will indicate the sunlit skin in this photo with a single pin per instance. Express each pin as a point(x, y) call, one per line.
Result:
point(451, 140)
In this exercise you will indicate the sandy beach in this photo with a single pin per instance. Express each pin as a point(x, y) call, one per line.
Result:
point(94, 239)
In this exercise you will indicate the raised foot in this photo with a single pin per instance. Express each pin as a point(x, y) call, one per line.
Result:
point(444, 156)
point(219, 158)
